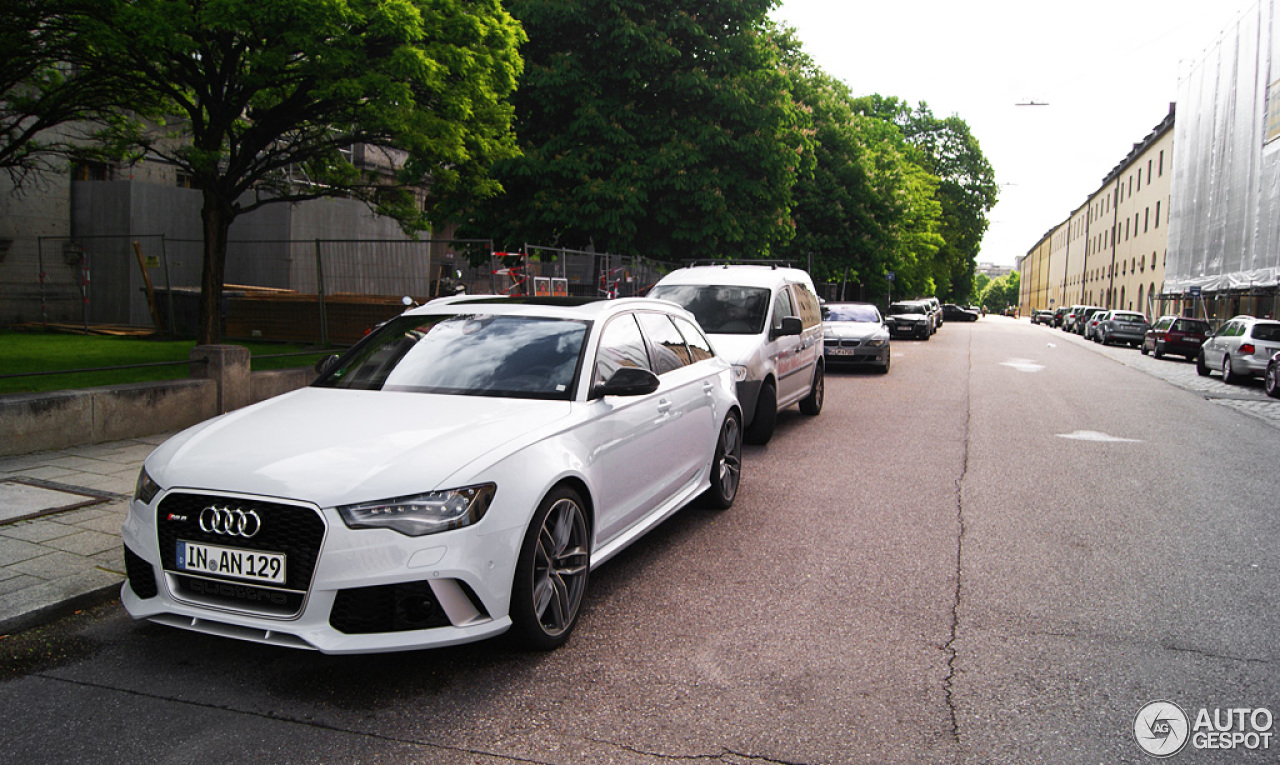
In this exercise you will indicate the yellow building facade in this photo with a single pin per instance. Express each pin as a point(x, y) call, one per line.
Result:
point(1111, 250)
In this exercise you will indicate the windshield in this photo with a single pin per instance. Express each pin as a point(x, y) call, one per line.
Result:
point(721, 310)
point(1134, 317)
point(477, 354)
point(906, 308)
point(851, 313)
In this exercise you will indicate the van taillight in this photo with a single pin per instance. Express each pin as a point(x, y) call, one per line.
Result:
point(1247, 349)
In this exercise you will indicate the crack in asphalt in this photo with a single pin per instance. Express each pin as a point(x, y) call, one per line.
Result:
point(721, 756)
point(948, 682)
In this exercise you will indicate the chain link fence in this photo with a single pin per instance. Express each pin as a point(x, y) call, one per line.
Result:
point(313, 291)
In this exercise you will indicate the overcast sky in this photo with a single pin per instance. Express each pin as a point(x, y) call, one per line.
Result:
point(1107, 69)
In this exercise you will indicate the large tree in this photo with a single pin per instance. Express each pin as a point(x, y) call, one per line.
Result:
point(966, 186)
point(867, 209)
point(662, 128)
point(261, 101)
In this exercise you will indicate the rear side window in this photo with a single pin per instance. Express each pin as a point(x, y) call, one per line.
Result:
point(1267, 332)
point(669, 349)
point(1186, 325)
point(699, 347)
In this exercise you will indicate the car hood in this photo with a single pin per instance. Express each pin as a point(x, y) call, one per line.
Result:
point(334, 447)
point(736, 349)
point(853, 330)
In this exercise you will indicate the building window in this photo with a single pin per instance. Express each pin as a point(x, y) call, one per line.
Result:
point(90, 171)
point(183, 180)
point(1161, 173)
point(1148, 172)
point(1157, 215)
point(1273, 112)
point(1146, 220)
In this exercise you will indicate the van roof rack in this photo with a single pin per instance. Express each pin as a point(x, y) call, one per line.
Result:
point(741, 262)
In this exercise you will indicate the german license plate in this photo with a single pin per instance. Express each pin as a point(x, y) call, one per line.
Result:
point(251, 565)
point(841, 351)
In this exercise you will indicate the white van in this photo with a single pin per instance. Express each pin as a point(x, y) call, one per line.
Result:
point(764, 320)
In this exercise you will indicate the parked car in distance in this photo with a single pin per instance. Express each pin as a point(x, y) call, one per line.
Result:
point(1083, 317)
point(910, 318)
point(1127, 327)
point(1059, 314)
point(1240, 348)
point(1178, 335)
point(855, 333)
point(456, 474)
point(1271, 377)
point(953, 312)
point(1042, 317)
point(1089, 324)
point(935, 309)
point(1073, 316)
point(767, 322)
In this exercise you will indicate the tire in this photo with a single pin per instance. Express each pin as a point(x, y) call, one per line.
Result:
point(1142, 347)
point(1228, 376)
point(1270, 381)
point(551, 573)
point(761, 428)
point(812, 403)
point(1157, 351)
point(1102, 338)
point(1202, 368)
point(726, 465)
point(884, 368)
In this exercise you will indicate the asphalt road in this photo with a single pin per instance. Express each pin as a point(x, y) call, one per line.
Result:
point(998, 552)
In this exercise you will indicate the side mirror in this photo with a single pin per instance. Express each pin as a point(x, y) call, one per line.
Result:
point(408, 302)
point(791, 325)
point(324, 365)
point(628, 381)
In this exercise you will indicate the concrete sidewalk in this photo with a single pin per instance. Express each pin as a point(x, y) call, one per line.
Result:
point(60, 516)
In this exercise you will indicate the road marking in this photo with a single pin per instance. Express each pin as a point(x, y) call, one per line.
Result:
point(1023, 365)
point(1093, 435)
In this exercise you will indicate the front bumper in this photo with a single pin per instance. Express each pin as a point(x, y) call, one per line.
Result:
point(346, 591)
point(854, 352)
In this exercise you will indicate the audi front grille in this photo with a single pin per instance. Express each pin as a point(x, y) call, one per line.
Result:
point(294, 531)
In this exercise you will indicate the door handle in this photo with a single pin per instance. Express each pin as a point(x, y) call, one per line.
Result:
point(664, 406)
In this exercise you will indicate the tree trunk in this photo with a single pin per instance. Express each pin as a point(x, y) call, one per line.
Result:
point(216, 217)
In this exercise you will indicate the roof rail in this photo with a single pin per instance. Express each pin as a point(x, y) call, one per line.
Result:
point(741, 262)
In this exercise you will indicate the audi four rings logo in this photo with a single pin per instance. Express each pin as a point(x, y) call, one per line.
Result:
point(231, 521)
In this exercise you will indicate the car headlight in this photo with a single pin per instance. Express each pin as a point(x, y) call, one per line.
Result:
point(877, 342)
point(422, 514)
point(145, 489)
point(739, 373)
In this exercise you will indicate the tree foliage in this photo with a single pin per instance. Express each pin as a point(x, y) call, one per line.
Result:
point(656, 127)
point(1002, 292)
point(966, 188)
point(49, 103)
point(272, 96)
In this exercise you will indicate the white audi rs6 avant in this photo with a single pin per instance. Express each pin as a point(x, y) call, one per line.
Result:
point(456, 474)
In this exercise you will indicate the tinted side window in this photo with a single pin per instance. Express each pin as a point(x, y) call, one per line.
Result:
point(621, 345)
point(807, 302)
point(669, 350)
point(781, 308)
point(699, 346)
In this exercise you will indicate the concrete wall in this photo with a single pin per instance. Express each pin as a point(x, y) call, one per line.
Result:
point(31, 422)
